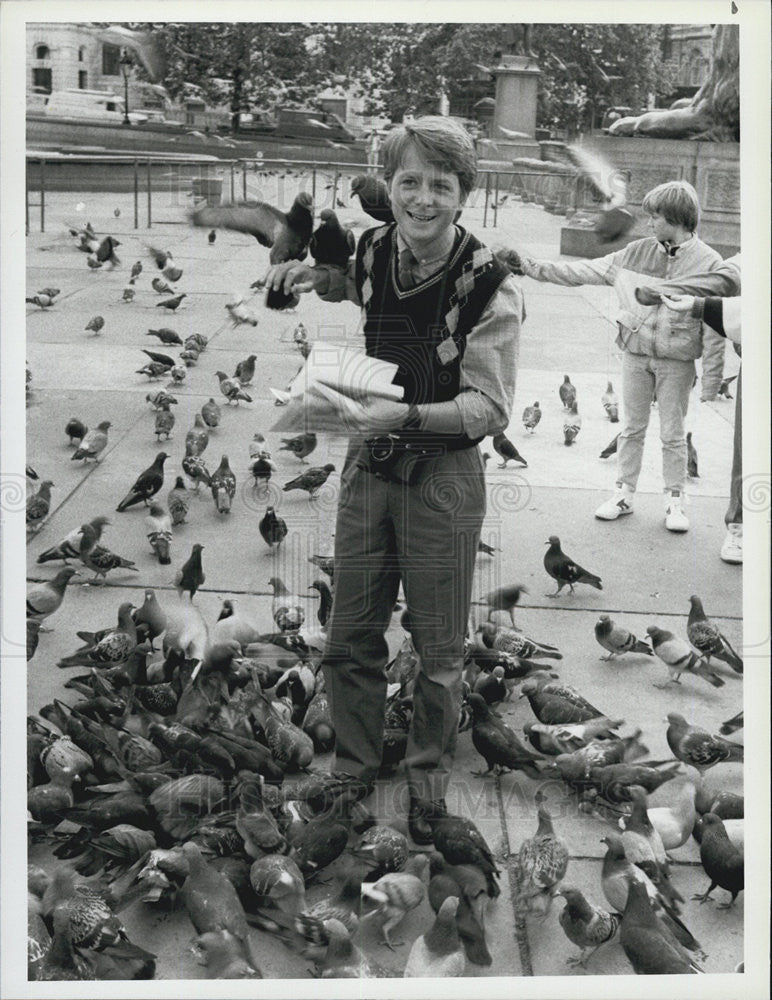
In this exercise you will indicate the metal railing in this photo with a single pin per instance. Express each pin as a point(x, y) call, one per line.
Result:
point(556, 191)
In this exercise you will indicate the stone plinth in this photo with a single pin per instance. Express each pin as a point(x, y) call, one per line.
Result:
point(516, 81)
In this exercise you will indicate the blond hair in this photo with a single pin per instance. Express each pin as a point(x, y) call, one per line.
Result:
point(675, 201)
point(440, 141)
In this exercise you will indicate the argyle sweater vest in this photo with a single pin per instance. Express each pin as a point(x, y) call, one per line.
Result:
point(406, 325)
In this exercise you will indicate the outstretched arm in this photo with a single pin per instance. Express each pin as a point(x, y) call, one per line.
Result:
point(723, 281)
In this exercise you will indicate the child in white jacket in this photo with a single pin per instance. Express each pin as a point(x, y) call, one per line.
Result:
point(659, 349)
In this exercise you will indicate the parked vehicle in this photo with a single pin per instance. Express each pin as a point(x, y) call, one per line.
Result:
point(294, 123)
point(301, 123)
point(94, 105)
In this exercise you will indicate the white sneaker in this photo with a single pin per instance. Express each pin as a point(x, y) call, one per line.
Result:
point(675, 519)
point(617, 505)
point(732, 549)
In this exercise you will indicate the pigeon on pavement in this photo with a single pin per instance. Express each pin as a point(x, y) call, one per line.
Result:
point(153, 369)
point(556, 703)
point(231, 389)
point(45, 598)
point(191, 574)
point(178, 501)
point(438, 952)
point(618, 874)
point(564, 570)
point(301, 446)
point(572, 424)
point(650, 947)
point(697, 747)
point(506, 450)
point(724, 864)
point(531, 417)
point(213, 903)
point(69, 547)
point(610, 404)
point(542, 862)
point(460, 843)
point(172, 303)
point(618, 640)
point(93, 444)
point(75, 429)
point(166, 336)
point(707, 638)
point(211, 413)
point(567, 393)
point(679, 658)
point(38, 506)
point(223, 486)
point(396, 893)
point(311, 481)
point(245, 370)
point(272, 527)
point(194, 468)
point(471, 931)
point(160, 398)
point(162, 359)
point(197, 437)
point(164, 422)
point(159, 533)
point(586, 925)
point(148, 483)
point(497, 743)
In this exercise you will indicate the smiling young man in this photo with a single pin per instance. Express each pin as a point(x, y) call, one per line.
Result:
point(437, 304)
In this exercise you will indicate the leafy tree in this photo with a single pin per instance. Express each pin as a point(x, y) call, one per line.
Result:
point(402, 67)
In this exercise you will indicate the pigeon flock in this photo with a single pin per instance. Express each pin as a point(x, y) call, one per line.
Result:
point(183, 768)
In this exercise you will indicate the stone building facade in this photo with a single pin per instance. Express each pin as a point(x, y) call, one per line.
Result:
point(67, 56)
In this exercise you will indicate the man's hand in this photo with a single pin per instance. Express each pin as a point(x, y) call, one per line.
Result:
point(330, 410)
point(291, 276)
point(510, 258)
point(648, 296)
point(679, 303)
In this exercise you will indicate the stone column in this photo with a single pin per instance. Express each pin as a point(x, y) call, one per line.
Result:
point(516, 82)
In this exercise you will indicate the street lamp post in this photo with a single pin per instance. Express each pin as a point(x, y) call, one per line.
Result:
point(126, 62)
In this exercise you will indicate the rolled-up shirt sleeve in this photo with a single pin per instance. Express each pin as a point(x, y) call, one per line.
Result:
point(489, 366)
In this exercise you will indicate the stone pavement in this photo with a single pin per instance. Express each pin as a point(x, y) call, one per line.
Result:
point(648, 574)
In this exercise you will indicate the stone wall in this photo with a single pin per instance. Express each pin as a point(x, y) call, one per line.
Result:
point(712, 167)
